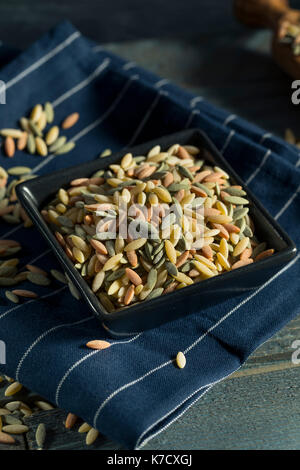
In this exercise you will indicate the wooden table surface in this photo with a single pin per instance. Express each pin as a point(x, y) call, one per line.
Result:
point(259, 406)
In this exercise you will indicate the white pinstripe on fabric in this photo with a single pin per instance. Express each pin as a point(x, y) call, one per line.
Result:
point(60, 47)
point(190, 118)
point(196, 100)
point(288, 203)
point(227, 141)
point(297, 163)
point(140, 443)
point(257, 170)
point(10, 232)
point(39, 256)
point(82, 84)
point(267, 135)
point(129, 65)
point(162, 82)
point(229, 118)
point(80, 361)
point(43, 335)
point(30, 301)
point(189, 348)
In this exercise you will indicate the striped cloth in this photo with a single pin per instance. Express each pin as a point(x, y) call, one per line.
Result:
point(132, 391)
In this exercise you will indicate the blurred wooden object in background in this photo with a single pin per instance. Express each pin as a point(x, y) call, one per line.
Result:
point(278, 16)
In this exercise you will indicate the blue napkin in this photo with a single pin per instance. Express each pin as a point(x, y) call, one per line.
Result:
point(132, 391)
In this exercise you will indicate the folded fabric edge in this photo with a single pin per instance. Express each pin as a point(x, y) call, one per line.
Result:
point(176, 413)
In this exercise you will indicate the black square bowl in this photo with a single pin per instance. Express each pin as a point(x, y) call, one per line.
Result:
point(36, 193)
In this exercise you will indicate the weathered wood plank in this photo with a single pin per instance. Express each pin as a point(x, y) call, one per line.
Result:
point(256, 412)
point(60, 438)
point(19, 445)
